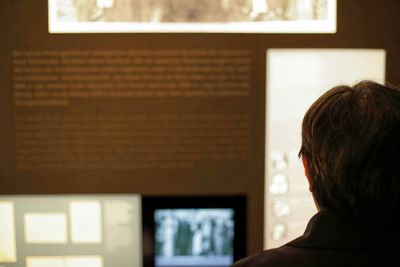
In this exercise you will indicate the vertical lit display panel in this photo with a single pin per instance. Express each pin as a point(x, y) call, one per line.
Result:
point(295, 79)
point(85, 222)
point(7, 232)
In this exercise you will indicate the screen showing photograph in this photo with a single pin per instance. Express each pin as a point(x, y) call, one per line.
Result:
point(194, 237)
point(241, 16)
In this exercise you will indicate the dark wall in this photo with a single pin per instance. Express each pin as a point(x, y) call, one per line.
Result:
point(202, 139)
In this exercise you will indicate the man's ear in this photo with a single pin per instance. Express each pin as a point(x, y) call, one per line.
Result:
point(307, 172)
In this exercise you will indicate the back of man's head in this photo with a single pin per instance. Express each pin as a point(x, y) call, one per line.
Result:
point(351, 141)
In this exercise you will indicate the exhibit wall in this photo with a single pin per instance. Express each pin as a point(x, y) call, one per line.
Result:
point(97, 98)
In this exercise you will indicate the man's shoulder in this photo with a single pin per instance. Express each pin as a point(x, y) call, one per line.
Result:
point(249, 261)
point(270, 257)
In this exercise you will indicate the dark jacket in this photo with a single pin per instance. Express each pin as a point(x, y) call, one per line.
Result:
point(330, 242)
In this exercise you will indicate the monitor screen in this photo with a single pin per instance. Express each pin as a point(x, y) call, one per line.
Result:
point(194, 231)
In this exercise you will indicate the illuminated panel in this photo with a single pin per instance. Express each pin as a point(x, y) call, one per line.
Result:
point(69, 261)
point(253, 16)
point(56, 227)
point(92, 261)
point(45, 262)
point(45, 228)
point(85, 218)
point(7, 233)
point(123, 229)
point(295, 79)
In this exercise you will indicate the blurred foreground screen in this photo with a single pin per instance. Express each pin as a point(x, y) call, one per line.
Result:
point(295, 79)
point(70, 231)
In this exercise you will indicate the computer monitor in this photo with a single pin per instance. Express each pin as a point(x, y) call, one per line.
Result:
point(193, 231)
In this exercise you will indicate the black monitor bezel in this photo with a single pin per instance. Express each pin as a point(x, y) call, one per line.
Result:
point(151, 203)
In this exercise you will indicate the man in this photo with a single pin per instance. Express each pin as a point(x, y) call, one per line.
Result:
point(351, 155)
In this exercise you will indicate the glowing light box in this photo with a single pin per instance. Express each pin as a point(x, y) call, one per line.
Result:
point(45, 228)
point(71, 230)
point(7, 232)
point(67, 261)
point(85, 222)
